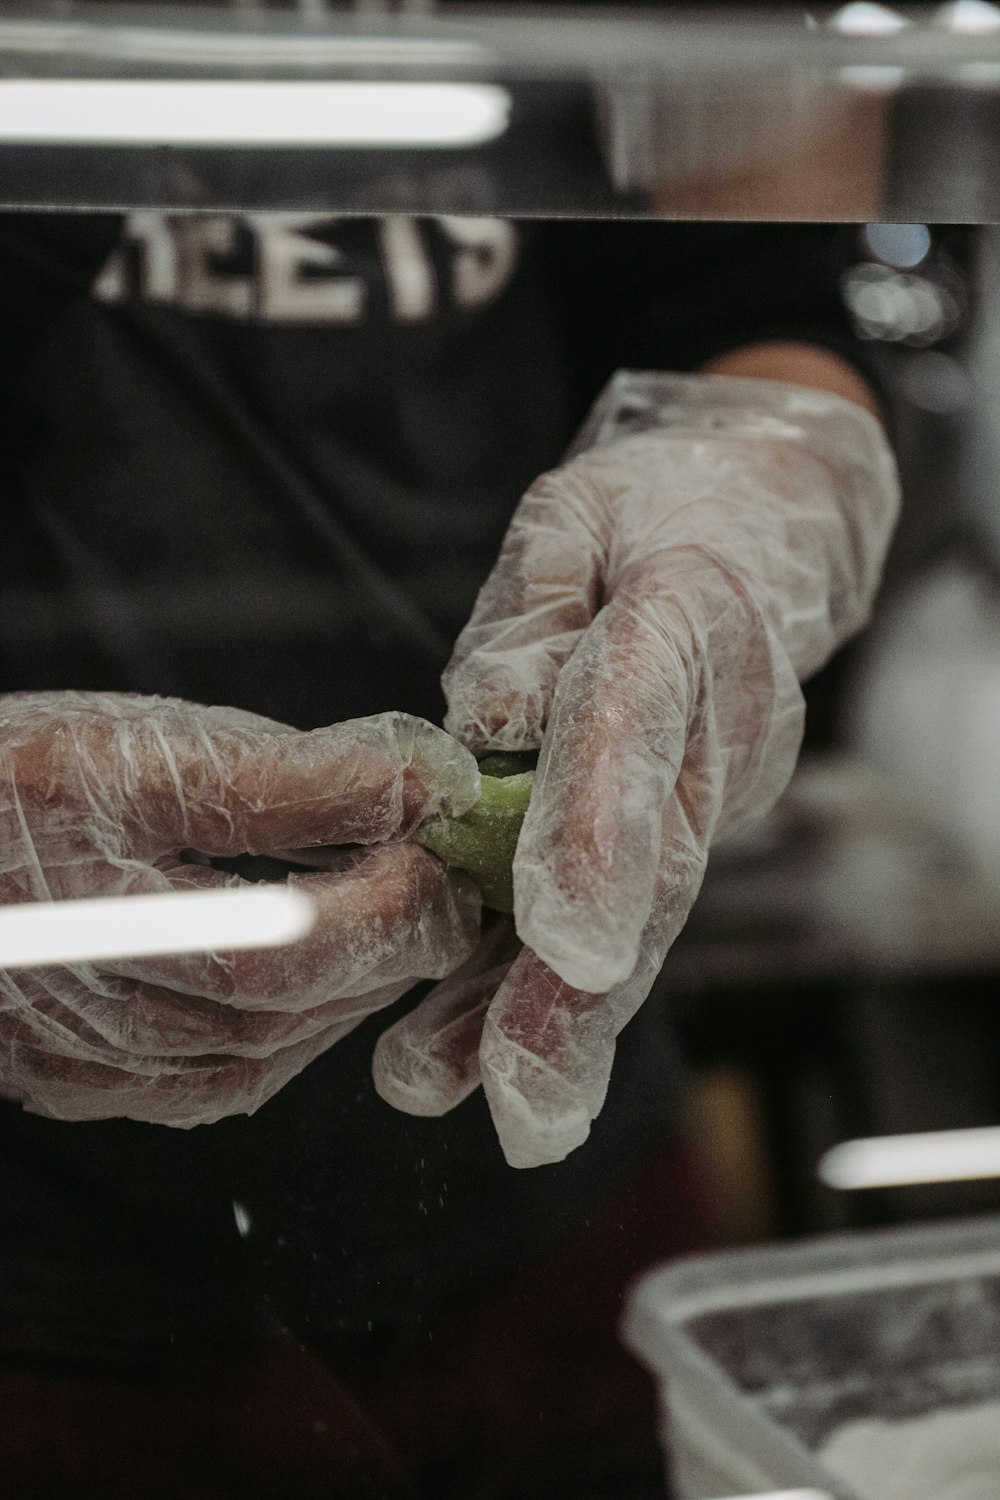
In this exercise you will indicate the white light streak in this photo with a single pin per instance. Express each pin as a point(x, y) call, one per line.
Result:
point(871, 78)
point(784, 1495)
point(978, 72)
point(970, 17)
point(904, 1160)
point(69, 932)
point(184, 112)
point(863, 18)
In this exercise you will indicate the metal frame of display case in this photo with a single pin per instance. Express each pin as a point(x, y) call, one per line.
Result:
point(859, 114)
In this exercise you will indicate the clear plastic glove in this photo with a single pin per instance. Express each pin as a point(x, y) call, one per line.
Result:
point(655, 604)
point(100, 794)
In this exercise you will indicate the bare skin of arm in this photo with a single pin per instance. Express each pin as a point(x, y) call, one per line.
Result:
point(798, 364)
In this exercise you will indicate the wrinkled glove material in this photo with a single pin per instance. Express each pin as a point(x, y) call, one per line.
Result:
point(655, 605)
point(101, 795)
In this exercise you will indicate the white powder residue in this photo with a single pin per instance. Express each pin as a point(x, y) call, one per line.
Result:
point(949, 1455)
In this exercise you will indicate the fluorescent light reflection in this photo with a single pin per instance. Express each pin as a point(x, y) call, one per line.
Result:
point(872, 77)
point(978, 72)
point(784, 1495)
point(863, 18)
point(183, 112)
point(69, 932)
point(970, 17)
point(904, 1160)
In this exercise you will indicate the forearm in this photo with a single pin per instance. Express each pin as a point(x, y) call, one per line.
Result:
point(799, 364)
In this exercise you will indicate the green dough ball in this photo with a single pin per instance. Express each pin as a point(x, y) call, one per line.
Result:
point(482, 841)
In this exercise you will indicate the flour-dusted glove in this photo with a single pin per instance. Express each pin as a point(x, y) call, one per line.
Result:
point(654, 606)
point(100, 795)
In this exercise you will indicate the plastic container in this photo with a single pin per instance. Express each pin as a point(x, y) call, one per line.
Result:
point(762, 1354)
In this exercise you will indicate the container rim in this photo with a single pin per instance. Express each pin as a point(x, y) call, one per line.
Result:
point(664, 1299)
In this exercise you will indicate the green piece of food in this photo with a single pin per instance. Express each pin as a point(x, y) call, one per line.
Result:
point(508, 763)
point(482, 841)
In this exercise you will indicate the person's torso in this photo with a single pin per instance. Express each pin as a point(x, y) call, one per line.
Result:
point(270, 459)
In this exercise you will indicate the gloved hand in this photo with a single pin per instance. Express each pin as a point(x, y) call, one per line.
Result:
point(99, 795)
point(654, 606)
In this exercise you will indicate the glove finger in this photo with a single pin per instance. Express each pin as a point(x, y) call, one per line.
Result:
point(197, 1092)
point(105, 1018)
point(178, 776)
point(429, 1060)
point(395, 915)
point(585, 872)
point(547, 1049)
point(545, 1056)
point(360, 782)
point(541, 595)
